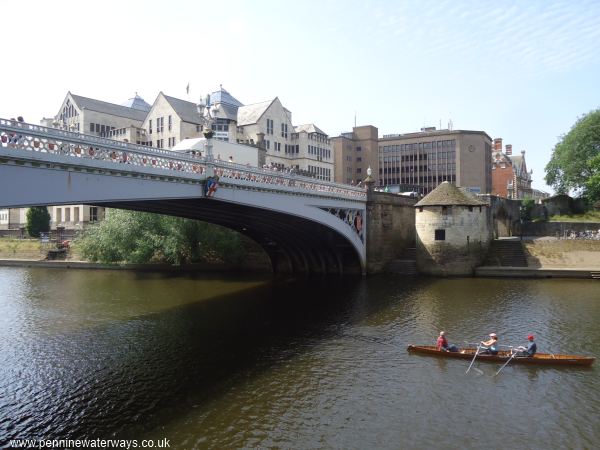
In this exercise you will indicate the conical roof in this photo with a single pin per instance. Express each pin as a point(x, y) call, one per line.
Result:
point(447, 194)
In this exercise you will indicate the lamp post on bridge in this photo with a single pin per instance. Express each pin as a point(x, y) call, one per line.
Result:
point(207, 117)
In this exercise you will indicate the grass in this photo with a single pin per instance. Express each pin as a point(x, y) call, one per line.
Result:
point(28, 249)
point(590, 216)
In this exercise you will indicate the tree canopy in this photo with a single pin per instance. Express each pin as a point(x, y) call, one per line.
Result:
point(571, 167)
point(38, 221)
point(137, 237)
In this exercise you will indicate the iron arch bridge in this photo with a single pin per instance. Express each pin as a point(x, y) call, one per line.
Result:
point(304, 225)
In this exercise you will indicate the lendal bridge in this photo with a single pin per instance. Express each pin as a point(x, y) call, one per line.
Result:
point(303, 224)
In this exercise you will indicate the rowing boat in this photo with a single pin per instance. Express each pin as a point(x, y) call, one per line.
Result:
point(545, 359)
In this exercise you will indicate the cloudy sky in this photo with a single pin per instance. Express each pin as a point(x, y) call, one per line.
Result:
point(520, 70)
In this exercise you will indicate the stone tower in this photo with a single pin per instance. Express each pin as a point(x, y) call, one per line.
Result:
point(452, 233)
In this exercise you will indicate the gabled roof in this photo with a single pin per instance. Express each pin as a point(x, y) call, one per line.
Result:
point(309, 128)
point(499, 156)
point(137, 102)
point(447, 194)
point(108, 108)
point(250, 114)
point(187, 111)
point(227, 111)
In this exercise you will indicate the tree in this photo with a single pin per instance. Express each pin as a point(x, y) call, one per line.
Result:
point(527, 205)
point(138, 237)
point(38, 221)
point(569, 168)
point(592, 185)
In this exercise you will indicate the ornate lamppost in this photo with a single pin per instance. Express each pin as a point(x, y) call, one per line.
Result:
point(207, 117)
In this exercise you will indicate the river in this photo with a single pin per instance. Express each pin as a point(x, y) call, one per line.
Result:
point(214, 361)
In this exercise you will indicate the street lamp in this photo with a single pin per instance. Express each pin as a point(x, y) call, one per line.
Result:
point(207, 117)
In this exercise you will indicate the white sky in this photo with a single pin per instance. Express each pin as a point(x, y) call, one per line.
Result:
point(520, 70)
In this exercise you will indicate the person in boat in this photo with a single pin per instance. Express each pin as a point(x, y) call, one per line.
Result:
point(530, 350)
point(442, 344)
point(490, 346)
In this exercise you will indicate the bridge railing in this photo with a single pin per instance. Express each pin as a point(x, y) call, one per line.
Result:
point(36, 138)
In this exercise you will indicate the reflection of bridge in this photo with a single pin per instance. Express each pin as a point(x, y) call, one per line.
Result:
point(304, 225)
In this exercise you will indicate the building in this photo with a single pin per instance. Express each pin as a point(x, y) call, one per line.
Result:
point(510, 178)
point(305, 148)
point(452, 231)
point(354, 153)
point(415, 162)
point(421, 161)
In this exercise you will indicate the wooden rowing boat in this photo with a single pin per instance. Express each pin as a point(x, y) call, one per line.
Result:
point(545, 359)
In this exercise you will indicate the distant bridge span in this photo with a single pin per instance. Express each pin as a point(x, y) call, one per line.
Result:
point(304, 225)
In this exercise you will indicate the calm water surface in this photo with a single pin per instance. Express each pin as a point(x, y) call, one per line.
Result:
point(218, 362)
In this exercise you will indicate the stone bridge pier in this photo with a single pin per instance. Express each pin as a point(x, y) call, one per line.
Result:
point(390, 228)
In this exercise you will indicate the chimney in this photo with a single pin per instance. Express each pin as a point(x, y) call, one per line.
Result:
point(508, 149)
point(498, 144)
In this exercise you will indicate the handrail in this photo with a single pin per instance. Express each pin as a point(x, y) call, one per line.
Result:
point(23, 136)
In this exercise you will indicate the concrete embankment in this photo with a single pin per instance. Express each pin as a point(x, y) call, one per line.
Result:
point(552, 258)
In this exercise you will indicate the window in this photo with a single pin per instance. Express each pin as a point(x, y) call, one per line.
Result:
point(269, 126)
point(284, 130)
point(358, 159)
point(93, 213)
point(358, 149)
point(170, 122)
point(92, 127)
point(150, 126)
point(440, 235)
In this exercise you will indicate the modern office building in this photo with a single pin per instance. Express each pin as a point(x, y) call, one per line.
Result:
point(421, 161)
point(415, 162)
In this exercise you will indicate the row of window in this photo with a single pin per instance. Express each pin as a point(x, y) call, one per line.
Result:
point(292, 149)
point(419, 180)
point(320, 173)
point(102, 130)
point(420, 146)
point(68, 112)
point(442, 167)
point(318, 137)
point(160, 124)
point(420, 157)
point(319, 151)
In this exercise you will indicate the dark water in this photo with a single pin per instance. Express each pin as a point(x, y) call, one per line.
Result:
point(243, 363)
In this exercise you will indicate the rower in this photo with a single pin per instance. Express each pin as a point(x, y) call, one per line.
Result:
point(490, 346)
point(530, 350)
point(442, 344)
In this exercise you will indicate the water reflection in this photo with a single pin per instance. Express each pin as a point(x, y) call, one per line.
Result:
point(212, 362)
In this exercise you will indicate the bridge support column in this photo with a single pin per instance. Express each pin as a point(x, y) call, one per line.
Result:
point(390, 228)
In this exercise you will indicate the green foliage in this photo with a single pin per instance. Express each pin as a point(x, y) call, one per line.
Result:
point(137, 237)
point(592, 185)
point(569, 168)
point(527, 205)
point(38, 221)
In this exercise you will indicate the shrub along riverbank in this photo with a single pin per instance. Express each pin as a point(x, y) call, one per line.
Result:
point(126, 237)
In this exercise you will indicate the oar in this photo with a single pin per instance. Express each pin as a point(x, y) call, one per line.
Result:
point(506, 363)
point(476, 353)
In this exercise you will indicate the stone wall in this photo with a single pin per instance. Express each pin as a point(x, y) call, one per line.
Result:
point(569, 253)
point(557, 229)
point(390, 228)
point(503, 215)
point(465, 244)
